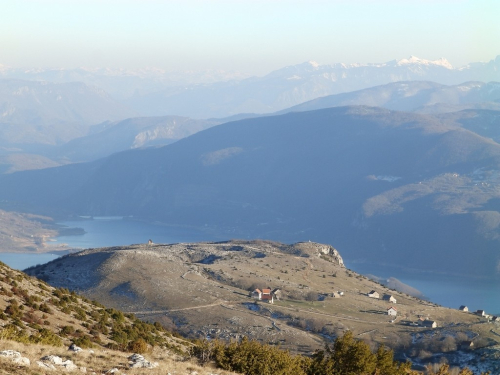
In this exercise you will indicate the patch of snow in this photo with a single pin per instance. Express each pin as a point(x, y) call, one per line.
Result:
point(417, 61)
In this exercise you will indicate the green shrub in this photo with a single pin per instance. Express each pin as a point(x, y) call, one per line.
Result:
point(46, 337)
point(83, 341)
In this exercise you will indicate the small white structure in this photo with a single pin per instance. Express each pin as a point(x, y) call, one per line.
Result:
point(373, 294)
point(257, 294)
point(481, 313)
point(389, 297)
point(276, 293)
point(392, 311)
point(463, 308)
point(429, 323)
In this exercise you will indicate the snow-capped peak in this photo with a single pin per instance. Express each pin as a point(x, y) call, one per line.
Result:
point(415, 60)
point(314, 64)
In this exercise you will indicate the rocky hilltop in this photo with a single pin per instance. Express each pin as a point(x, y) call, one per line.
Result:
point(298, 296)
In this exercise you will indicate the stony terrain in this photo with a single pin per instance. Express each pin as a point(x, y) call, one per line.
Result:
point(39, 326)
point(34, 359)
point(202, 290)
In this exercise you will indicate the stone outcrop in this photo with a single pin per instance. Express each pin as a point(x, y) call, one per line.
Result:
point(53, 362)
point(15, 357)
point(138, 361)
point(74, 348)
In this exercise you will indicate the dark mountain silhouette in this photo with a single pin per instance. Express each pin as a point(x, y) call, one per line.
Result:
point(388, 187)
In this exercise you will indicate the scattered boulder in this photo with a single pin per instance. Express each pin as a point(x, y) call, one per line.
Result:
point(138, 361)
point(74, 348)
point(50, 361)
point(46, 366)
point(15, 357)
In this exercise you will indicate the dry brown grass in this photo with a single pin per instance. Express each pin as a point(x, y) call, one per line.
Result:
point(101, 361)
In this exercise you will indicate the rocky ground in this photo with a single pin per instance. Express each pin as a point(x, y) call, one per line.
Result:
point(18, 358)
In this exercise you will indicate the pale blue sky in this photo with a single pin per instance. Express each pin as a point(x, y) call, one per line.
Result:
point(251, 36)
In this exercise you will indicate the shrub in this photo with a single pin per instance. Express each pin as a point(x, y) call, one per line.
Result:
point(138, 346)
point(67, 330)
point(83, 341)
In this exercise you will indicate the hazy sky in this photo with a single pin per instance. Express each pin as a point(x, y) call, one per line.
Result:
point(251, 36)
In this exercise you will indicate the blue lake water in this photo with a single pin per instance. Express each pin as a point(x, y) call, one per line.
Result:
point(115, 231)
point(450, 291)
point(447, 290)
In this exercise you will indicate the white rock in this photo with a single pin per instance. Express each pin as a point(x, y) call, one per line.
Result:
point(138, 361)
point(15, 357)
point(144, 364)
point(69, 365)
point(54, 359)
point(10, 353)
point(51, 360)
point(74, 348)
point(46, 366)
point(113, 371)
point(136, 357)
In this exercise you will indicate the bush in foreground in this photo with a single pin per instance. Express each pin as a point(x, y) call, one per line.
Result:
point(347, 356)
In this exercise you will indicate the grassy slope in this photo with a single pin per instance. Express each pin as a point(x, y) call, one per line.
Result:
point(62, 310)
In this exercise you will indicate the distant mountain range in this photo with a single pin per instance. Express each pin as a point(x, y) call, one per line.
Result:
point(34, 112)
point(416, 96)
point(114, 136)
point(153, 92)
point(110, 137)
point(299, 83)
point(387, 187)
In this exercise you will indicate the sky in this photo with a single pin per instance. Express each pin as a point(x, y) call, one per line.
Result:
point(248, 36)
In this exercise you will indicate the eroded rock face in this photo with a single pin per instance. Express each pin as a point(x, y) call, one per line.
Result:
point(318, 249)
point(15, 357)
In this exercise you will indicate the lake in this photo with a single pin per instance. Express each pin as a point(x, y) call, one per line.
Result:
point(447, 290)
point(450, 291)
point(117, 231)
